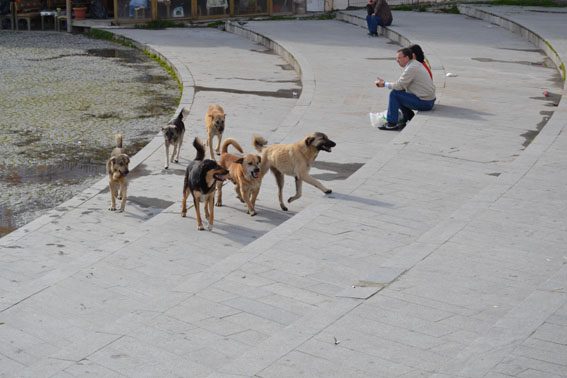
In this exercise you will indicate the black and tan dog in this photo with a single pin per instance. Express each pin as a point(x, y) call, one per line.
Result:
point(244, 172)
point(173, 136)
point(215, 126)
point(117, 170)
point(294, 159)
point(200, 181)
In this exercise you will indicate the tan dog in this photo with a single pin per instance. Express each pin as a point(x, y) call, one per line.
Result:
point(294, 159)
point(117, 170)
point(244, 173)
point(215, 126)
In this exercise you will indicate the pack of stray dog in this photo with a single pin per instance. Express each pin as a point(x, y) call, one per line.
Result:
point(205, 177)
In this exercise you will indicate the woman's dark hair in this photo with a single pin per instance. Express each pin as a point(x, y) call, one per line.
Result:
point(416, 49)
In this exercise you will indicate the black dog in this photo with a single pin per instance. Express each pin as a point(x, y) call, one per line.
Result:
point(173, 135)
point(200, 181)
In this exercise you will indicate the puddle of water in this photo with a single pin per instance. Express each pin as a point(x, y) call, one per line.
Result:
point(58, 175)
point(127, 56)
point(280, 93)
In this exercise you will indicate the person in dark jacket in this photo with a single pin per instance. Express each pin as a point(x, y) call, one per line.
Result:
point(378, 14)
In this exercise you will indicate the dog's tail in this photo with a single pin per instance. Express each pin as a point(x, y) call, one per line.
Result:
point(227, 142)
point(182, 114)
point(198, 144)
point(258, 142)
point(118, 140)
point(179, 118)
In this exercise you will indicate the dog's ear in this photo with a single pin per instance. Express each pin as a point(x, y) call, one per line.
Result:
point(212, 116)
point(309, 140)
point(162, 128)
point(240, 161)
point(127, 159)
point(112, 160)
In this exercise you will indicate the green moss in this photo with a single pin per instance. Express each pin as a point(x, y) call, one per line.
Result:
point(562, 68)
point(108, 36)
point(551, 47)
point(450, 10)
point(168, 69)
point(160, 24)
point(215, 24)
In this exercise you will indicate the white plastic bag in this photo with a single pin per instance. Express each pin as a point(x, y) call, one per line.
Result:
point(377, 119)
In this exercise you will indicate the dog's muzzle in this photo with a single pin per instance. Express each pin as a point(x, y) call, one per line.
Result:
point(328, 146)
point(219, 177)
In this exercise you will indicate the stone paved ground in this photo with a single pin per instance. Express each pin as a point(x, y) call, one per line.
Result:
point(443, 256)
point(63, 98)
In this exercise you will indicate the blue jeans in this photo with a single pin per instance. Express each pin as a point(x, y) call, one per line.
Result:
point(404, 101)
point(373, 21)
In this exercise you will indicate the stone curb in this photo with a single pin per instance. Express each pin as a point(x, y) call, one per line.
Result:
point(299, 64)
point(516, 28)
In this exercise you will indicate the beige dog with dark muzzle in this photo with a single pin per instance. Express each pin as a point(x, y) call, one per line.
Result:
point(295, 160)
point(117, 170)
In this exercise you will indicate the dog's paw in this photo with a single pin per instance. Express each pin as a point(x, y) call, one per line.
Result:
point(252, 213)
point(165, 167)
point(283, 207)
point(183, 214)
point(120, 210)
point(218, 204)
point(176, 161)
point(112, 208)
point(119, 197)
point(328, 191)
point(210, 227)
point(200, 228)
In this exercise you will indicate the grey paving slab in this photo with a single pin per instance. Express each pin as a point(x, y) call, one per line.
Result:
point(457, 220)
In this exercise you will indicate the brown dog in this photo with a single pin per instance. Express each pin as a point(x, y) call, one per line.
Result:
point(117, 170)
point(215, 126)
point(201, 176)
point(244, 173)
point(294, 159)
